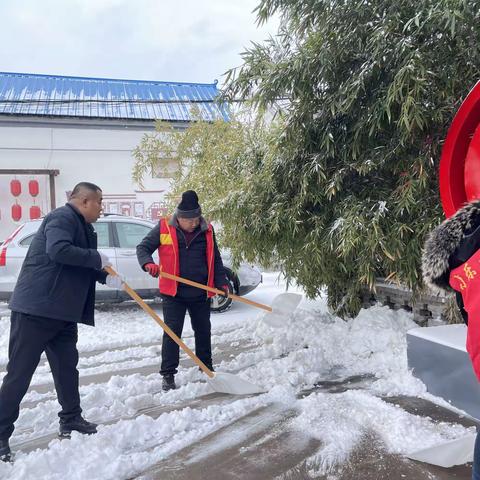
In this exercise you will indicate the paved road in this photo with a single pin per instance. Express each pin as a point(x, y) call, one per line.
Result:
point(261, 446)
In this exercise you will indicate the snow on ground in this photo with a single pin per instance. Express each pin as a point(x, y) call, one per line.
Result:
point(313, 346)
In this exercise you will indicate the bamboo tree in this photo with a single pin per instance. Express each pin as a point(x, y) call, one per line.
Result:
point(342, 187)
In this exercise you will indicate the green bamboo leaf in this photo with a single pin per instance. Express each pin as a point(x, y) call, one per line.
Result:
point(341, 187)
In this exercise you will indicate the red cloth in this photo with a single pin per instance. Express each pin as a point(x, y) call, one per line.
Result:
point(226, 290)
point(466, 280)
point(189, 236)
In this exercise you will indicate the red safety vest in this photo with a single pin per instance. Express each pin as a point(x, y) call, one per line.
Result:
point(169, 257)
point(466, 280)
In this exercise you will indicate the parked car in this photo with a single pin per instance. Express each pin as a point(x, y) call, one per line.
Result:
point(118, 237)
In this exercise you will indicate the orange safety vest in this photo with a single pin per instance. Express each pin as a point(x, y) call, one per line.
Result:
point(466, 280)
point(170, 261)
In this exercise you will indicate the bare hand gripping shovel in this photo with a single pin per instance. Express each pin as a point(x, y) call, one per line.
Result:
point(283, 305)
point(220, 382)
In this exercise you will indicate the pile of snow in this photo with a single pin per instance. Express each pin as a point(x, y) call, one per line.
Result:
point(290, 363)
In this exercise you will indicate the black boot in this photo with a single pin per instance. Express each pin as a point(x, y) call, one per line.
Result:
point(78, 424)
point(5, 452)
point(168, 383)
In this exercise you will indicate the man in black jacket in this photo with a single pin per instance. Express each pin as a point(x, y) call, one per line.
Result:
point(187, 248)
point(55, 290)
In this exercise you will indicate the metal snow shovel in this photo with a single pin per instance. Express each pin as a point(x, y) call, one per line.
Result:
point(283, 305)
point(448, 454)
point(220, 382)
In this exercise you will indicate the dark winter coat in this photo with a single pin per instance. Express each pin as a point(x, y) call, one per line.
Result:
point(192, 258)
point(450, 245)
point(58, 275)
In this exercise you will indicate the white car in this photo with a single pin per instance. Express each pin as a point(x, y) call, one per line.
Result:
point(118, 237)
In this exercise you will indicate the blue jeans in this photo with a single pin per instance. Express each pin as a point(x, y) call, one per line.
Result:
point(476, 458)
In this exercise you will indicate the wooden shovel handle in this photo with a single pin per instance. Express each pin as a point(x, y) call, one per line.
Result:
point(165, 327)
point(215, 290)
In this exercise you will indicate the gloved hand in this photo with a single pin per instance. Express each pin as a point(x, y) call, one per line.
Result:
point(225, 289)
point(115, 281)
point(105, 260)
point(153, 269)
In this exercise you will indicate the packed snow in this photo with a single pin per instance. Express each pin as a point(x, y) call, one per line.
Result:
point(288, 363)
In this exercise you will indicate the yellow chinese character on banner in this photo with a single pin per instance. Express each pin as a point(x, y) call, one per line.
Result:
point(469, 272)
point(463, 285)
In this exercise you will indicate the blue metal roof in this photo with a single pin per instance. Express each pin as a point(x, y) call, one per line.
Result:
point(58, 96)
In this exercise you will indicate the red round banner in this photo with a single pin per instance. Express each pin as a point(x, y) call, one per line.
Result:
point(460, 161)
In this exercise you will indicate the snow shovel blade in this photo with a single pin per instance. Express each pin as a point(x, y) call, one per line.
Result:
point(283, 306)
point(448, 454)
point(229, 383)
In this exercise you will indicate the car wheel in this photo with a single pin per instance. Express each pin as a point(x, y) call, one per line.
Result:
point(219, 302)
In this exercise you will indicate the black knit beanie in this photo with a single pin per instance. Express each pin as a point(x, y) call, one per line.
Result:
point(189, 207)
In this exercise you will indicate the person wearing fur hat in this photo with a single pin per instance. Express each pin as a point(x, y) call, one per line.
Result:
point(451, 262)
point(186, 248)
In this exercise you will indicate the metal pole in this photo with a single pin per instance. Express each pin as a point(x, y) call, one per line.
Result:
point(53, 202)
point(28, 171)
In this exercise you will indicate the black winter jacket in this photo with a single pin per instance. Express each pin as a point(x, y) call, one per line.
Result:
point(58, 275)
point(193, 259)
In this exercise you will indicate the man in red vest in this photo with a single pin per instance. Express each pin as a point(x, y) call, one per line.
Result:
point(187, 248)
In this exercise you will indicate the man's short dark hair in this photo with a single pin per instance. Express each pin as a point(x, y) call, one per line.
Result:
point(84, 186)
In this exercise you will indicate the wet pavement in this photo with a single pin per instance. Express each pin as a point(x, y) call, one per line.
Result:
point(255, 447)
point(262, 446)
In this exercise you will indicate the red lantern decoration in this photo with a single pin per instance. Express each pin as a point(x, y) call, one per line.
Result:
point(15, 187)
point(34, 212)
point(33, 188)
point(16, 212)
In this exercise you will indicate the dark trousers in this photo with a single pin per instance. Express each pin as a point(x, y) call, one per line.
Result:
point(174, 310)
point(29, 337)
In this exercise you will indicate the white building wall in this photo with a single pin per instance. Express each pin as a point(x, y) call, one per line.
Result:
point(99, 155)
